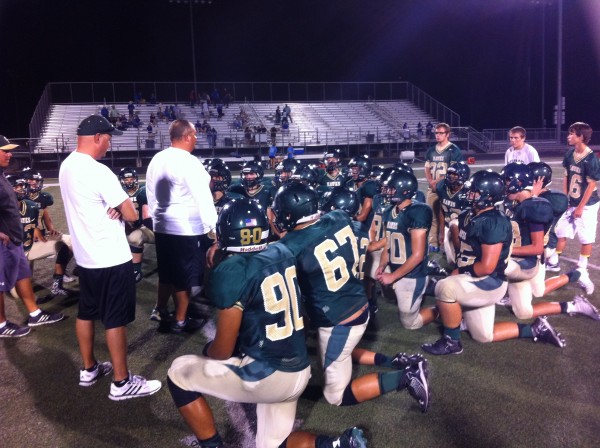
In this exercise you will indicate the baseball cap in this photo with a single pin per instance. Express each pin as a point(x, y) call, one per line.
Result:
point(96, 124)
point(5, 145)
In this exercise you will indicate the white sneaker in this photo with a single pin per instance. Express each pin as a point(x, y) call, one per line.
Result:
point(68, 279)
point(87, 379)
point(136, 386)
point(585, 282)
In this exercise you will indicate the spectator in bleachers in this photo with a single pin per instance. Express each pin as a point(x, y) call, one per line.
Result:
point(219, 111)
point(131, 109)
point(104, 112)
point(138, 98)
point(113, 114)
point(273, 135)
point(149, 128)
point(215, 96)
point(277, 116)
point(152, 119)
point(419, 130)
point(248, 136)
point(160, 113)
point(136, 122)
point(204, 109)
point(193, 98)
point(205, 127)
point(198, 125)
point(285, 125)
point(405, 132)
point(428, 130)
point(227, 98)
point(237, 123)
point(211, 136)
point(153, 98)
point(287, 113)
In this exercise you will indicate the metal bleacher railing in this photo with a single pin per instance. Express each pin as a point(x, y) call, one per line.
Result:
point(245, 92)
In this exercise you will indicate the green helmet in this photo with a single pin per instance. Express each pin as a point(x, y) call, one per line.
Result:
point(294, 204)
point(340, 198)
point(242, 226)
point(400, 185)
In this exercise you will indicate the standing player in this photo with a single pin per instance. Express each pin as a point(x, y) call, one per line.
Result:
point(141, 231)
point(259, 353)
point(437, 160)
point(332, 176)
point(64, 250)
point(520, 151)
point(403, 264)
point(251, 175)
point(582, 171)
point(479, 281)
point(360, 168)
point(220, 180)
point(327, 260)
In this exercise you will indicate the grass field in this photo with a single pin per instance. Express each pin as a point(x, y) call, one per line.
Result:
point(509, 394)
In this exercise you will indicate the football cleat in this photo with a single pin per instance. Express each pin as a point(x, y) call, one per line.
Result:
point(351, 438)
point(543, 331)
point(58, 290)
point(434, 268)
point(584, 281)
point(416, 381)
point(401, 361)
point(583, 306)
point(444, 346)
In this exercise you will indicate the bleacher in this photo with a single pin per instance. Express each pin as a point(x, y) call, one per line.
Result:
point(314, 123)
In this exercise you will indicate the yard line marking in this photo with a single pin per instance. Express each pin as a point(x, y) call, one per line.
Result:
point(590, 265)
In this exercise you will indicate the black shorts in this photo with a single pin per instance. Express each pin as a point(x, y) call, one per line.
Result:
point(180, 259)
point(108, 295)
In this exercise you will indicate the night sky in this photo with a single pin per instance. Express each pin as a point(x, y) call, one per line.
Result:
point(482, 58)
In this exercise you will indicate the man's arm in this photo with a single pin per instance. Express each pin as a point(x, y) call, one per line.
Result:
point(490, 254)
point(127, 210)
point(367, 205)
point(228, 328)
point(417, 243)
point(591, 186)
point(535, 248)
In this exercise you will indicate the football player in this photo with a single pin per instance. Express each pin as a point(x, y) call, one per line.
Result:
point(332, 175)
point(284, 171)
point(485, 235)
point(542, 178)
point(532, 218)
point(403, 263)
point(251, 175)
point(437, 160)
point(452, 195)
point(259, 352)
point(64, 252)
point(307, 175)
point(582, 171)
point(220, 180)
point(140, 232)
point(359, 181)
point(327, 260)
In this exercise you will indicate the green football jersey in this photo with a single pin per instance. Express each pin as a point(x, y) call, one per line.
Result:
point(580, 169)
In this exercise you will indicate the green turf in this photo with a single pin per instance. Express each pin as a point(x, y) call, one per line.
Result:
point(509, 394)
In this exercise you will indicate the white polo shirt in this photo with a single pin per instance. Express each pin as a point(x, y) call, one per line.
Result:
point(179, 197)
point(89, 189)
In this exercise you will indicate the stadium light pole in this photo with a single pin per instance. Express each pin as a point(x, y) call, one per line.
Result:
point(192, 33)
point(559, 74)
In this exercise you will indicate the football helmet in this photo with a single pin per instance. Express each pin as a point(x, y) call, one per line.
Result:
point(360, 167)
point(403, 166)
point(486, 189)
point(457, 174)
point(220, 176)
point(400, 186)
point(541, 169)
point(294, 204)
point(19, 184)
point(247, 171)
point(376, 173)
point(332, 159)
point(285, 170)
point(340, 198)
point(34, 179)
point(517, 176)
point(129, 179)
point(242, 226)
point(306, 175)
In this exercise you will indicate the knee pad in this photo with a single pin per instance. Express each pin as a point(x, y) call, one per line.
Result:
point(180, 396)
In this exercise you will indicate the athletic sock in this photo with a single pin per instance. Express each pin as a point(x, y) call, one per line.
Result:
point(122, 382)
point(452, 333)
point(390, 381)
point(212, 442)
point(35, 313)
point(573, 275)
point(525, 331)
point(583, 261)
point(383, 360)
